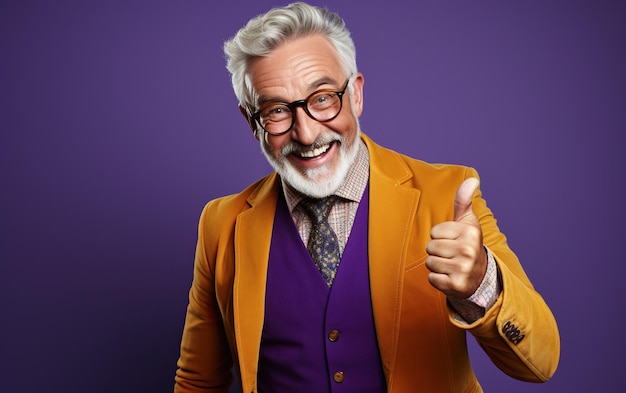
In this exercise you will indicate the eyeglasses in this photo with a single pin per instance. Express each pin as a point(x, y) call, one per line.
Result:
point(278, 117)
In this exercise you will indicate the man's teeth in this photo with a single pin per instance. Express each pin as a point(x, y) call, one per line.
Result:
point(314, 152)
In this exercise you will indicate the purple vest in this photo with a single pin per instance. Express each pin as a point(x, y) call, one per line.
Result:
point(318, 339)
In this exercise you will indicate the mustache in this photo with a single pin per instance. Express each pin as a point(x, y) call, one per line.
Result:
point(322, 140)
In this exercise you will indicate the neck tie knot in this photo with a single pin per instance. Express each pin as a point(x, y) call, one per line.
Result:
point(318, 209)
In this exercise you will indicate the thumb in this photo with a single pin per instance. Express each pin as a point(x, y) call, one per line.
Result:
point(463, 198)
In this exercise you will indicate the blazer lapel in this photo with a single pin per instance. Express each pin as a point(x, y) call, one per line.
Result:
point(391, 218)
point(253, 233)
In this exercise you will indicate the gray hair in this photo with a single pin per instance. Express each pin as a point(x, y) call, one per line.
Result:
point(268, 31)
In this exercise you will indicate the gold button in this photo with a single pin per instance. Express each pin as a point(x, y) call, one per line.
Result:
point(333, 335)
point(338, 377)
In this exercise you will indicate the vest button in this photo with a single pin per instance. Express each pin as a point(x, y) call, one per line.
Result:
point(338, 376)
point(333, 335)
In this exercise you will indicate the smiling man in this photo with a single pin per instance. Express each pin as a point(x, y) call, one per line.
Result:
point(351, 268)
point(314, 151)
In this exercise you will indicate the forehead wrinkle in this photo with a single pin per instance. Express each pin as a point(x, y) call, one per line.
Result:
point(295, 70)
point(311, 89)
point(278, 85)
point(318, 69)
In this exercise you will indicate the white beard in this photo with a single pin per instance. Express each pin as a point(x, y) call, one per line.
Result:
point(317, 182)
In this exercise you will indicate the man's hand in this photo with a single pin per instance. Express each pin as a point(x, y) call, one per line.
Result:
point(457, 259)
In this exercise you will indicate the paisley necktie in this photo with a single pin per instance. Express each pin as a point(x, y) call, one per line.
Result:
point(323, 244)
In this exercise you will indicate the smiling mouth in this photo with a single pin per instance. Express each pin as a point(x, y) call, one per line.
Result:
point(308, 154)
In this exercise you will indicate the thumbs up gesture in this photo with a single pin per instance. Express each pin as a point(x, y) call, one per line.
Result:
point(457, 259)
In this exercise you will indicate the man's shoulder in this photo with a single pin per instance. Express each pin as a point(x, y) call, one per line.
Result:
point(233, 204)
point(402, 165)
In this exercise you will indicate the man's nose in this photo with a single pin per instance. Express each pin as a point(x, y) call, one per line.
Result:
point(305, 129)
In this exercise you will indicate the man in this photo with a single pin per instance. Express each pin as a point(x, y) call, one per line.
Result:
point(351, 268)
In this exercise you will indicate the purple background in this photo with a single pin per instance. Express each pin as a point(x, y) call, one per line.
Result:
point(118, 123)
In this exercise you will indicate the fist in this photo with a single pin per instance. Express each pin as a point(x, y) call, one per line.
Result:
point(456, 258)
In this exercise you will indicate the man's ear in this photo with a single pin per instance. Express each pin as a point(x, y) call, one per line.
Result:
point(249, 120)
point(357, 93)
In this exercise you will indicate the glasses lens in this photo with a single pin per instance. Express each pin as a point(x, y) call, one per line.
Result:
point(324, 105)
point(275, 118)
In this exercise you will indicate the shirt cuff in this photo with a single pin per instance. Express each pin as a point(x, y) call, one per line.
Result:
point(487, 293)
point(474, 307)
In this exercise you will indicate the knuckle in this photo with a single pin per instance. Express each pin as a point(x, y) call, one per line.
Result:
point(467, 250)
point(432, 279)
point(429, 262)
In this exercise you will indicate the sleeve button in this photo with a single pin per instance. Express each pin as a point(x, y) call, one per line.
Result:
point(333, 335)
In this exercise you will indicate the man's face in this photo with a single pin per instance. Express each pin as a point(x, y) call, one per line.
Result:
point(313, 157)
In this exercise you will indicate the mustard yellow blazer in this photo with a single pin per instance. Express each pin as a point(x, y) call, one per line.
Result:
point(422, 347)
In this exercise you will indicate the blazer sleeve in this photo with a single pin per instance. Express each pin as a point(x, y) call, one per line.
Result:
point(519, 332)
point(205, 363)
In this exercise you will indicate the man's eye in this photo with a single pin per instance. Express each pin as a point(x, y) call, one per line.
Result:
point(322, 99)
point(272, 111)
point(275, 111)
